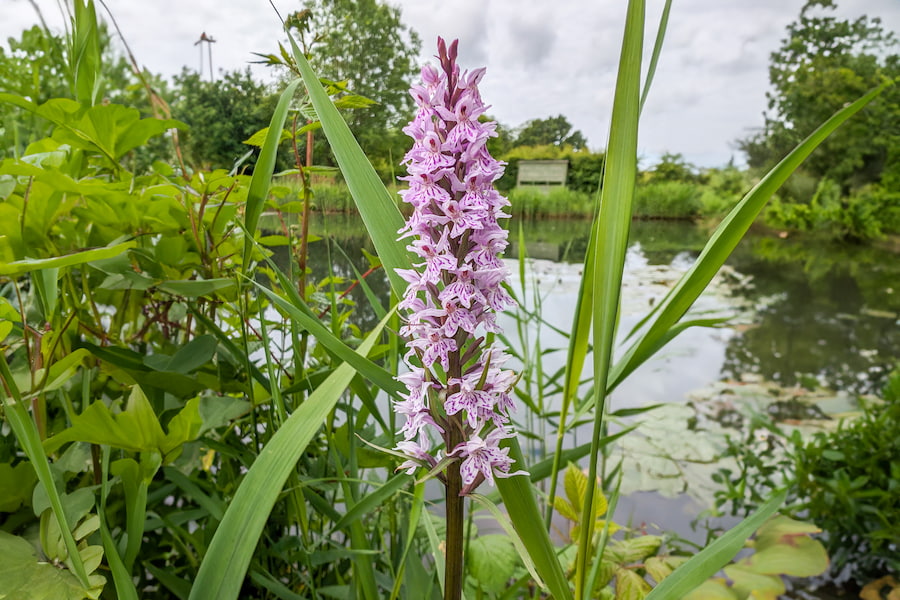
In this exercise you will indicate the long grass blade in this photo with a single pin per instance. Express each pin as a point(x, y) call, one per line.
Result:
point(518, 497)
point(612, 227)
point(265, 166)
point(225, 565)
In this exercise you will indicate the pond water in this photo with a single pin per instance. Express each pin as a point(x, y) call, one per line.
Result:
point(803, 314)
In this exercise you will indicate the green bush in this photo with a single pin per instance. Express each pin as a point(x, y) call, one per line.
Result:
point(668, 199)
point(866, 214)
point(849, 482)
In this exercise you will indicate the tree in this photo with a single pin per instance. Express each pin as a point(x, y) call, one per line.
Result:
point(221, 114)
point(822, 64)
point(365, 44)
point(553, 131)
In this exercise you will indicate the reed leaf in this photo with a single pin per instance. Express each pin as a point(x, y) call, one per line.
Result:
point(610, 230)
point(226, 561)
point(265, 167)
point(375, 204)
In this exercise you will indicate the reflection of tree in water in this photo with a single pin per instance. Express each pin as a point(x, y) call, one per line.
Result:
point(822, 311)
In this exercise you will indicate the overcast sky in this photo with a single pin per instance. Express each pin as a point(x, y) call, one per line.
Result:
point(544, 57)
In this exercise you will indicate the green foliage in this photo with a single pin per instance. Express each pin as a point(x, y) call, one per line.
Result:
point(847, 483)
point(844, 481)
point(559, 203)
point(866, 214)
point(221, 115)
point(782, 546)
point(585, 167)
point(824, 62)
point(551, 131)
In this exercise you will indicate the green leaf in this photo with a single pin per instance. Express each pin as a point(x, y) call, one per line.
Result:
point(637, 549)
point(781, 529)
point(228, 556)
point(630, 585)
point(189, 357)
point(708, 561)
point(24, 577)
point(518, 497)
point(492, 561)
point(610, 231)
point(195, 288)
point(801, 557)
point(135, 429)
point(33, 264)
point(657, 568)
point(575, 484)
point(258, 139)
point(746, 581)
point(265, 166)
point(715, 589)
point(374, 202)
point(16, 485)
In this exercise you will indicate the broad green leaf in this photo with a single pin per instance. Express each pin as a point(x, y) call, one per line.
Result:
point(195, 288)
point(24, 577)
point(746, 581)
point(781, 529)
point(33, 264)
point(637, 549)
point(16, 485)
point(189, 357)
point(258, 139)
point(715, 589)
point(228, 556)
point(135, 429)
point(802, 556)
point(575, 483)
point(630, 585)
point(492, 561)
point(657, 568)
point(708, 561)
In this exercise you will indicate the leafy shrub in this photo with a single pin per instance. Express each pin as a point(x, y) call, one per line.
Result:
point(866, 214)
point(849, 481)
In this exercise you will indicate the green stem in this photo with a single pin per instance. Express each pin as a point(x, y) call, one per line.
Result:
point(453, 566)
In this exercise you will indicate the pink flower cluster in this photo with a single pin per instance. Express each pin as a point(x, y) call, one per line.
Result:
point(455, 381)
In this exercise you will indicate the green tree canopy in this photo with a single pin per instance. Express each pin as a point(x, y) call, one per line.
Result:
point(552, 131)
point(823, 63)
point(221, 114)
